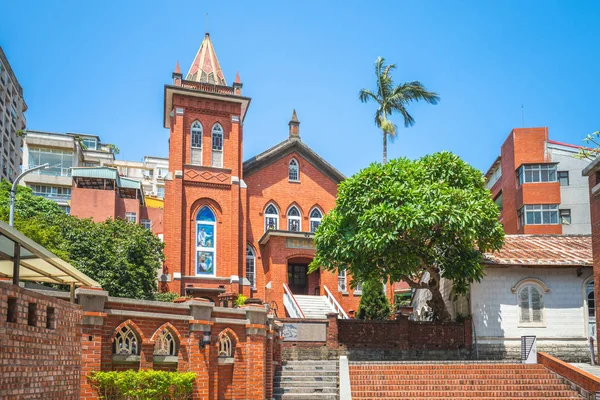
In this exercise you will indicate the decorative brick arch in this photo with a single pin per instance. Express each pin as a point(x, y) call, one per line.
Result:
point(295, 204)
point(275, 203)
point(205, 201)
point(305, 255)
point(231, 334)
point(169, 326)
point(133, 327)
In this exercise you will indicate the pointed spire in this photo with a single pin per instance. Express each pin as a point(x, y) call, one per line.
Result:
point(294, 125)
point(206, 67)
point(237, 77)
point(177, 69)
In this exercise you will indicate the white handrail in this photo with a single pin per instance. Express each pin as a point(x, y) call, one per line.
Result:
point(290, 303)
point(335, 304)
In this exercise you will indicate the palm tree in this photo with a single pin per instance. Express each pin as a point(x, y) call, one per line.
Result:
point(394, 98)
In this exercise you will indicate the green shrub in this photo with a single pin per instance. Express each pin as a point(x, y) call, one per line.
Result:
point(240, 300)
point(167, 297)
point(374, 304)
point(143, 385)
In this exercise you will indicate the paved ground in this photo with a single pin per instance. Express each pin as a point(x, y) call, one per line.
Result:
point(590, 369)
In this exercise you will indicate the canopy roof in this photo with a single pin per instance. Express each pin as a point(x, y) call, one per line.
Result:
point(36, 263)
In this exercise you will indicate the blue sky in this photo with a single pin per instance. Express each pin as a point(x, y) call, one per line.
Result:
point(100, 67)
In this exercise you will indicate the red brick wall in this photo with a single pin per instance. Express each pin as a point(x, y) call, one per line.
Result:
point(36, 362)
point(92, 203)
point(595, 219)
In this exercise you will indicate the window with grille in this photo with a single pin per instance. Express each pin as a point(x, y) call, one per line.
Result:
point(217, 146)
point(294, 219)
point(126, 342)
point(342, 281)
point(271, 218)
point(531, 304)
point(146, 223)
point(315, 219)
point(293, 170)
point(251, 266)
point(165, 345)
point(196, 144)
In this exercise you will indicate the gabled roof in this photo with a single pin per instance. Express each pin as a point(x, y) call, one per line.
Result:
point(286, 147)
point(543, 250)
point(206, 67)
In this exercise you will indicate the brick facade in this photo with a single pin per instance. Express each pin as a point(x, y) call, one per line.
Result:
point(593, 173)
point(40, 355)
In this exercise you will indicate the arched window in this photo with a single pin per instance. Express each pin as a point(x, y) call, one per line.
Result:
point(271, 218)
point(251, 266)
point(294, 219)
point(126, 342)
point(293, 170)
point(164, 344)
point(196, 144)
point(315, 219)
point(342, 285)
point(225, 347)
point(531, 304)
point(217, 146)
point(206, 242)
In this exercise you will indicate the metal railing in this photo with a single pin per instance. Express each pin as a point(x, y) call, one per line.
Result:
point(290, 303)
point(334, 303)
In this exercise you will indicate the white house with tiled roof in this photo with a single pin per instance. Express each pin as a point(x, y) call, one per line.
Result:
point(539, 285)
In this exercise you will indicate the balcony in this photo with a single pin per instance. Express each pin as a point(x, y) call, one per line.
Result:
point(53, 196)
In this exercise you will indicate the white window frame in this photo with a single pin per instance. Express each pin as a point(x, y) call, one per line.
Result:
point(342, 281)
point(130, 214)
point(294, 218)
point(165, 344)
point(534, 210)
point(312, 219)
point(217, 130)
point(535, 171)
point(195, 147)
point(206, 249)
point(271, 215)
point(527, 284)
point(251, 266)
point(146, 223)
point(293, 168)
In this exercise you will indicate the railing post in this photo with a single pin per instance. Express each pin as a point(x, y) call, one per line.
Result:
point(332, 330)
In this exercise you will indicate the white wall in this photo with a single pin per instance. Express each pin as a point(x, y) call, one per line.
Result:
point(575, 196)
point(495, 311)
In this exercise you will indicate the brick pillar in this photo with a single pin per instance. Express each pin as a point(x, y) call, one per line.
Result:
point(200, 358)
point(255, 350)
point(468, 334)
point(332, 330)
point(92, 302)
point(147, 355)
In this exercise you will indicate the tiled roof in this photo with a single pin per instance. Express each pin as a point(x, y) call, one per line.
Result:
point(543, 250)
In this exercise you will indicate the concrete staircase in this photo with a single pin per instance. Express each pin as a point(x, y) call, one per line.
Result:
point(388, 380)
point(301, 380)
point(314, 307)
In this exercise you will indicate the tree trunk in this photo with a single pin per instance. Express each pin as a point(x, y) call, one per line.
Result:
point(437, 305)
point(384, 147)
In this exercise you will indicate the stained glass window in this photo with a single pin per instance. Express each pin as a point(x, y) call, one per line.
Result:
point(315, 219)
point(294, 219)
point(205, 242)
point(271, 218)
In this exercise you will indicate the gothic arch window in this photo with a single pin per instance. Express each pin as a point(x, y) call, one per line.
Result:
point(271, 218)
point(225, 346)
point(165, 344)
point(206, 242)
point(126, 342)
point(196, 143)
point(294, 219)
point(217, 146)
point(251, 266)
point(589, 298)
point(315, 219)
point(530, 299)
point(293, 170)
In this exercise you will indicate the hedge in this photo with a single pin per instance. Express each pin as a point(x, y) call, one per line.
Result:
point(143, 385)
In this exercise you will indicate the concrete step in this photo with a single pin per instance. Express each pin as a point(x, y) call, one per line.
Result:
point(314, 307)
point(306, 396)
point(315, 368)
point(308, 389)
point(279, 380)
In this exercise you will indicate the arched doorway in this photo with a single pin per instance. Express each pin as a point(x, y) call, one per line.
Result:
point(590, 304)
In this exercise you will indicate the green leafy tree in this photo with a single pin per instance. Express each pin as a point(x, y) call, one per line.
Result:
point(121, 256)
point(590, 153)
point(374, 304)
point(409, 221)
point(392, 98)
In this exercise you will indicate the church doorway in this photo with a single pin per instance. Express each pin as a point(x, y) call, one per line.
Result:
point(297, 278)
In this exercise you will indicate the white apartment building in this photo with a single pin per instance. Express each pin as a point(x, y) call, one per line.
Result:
point(12, 121)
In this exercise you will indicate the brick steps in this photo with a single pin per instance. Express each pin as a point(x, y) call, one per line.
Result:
point(456, 381)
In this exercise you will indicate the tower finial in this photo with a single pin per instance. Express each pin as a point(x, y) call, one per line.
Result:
point(294, 125)
point(177, 69)
point(237, 77)
point(207, 24)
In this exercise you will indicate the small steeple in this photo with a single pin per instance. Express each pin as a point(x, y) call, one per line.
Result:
point(237, 84)
point(177, 69)
point(206, 67)
point(177, 77)
point(294, 125)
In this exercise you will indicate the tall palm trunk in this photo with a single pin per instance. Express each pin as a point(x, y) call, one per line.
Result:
point(384, 147)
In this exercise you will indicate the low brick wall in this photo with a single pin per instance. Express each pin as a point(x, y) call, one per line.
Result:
point(587, 384)
point(40, 352)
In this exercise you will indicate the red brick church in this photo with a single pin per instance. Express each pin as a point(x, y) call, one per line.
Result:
point(235, 226)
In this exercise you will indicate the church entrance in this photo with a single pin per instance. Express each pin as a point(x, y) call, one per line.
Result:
point(297, 278)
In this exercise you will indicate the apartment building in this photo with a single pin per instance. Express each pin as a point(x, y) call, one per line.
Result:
point(537, 184)
point(12, 121)
point(151, 173)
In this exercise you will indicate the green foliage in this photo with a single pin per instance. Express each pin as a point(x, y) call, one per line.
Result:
point(590, 153)
point(402, 219)
point(373, 305)
point(240, 300)
point(121, 256)
point(143, 385)
point(167, 297)
point(392, 98)
point(401, 300)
